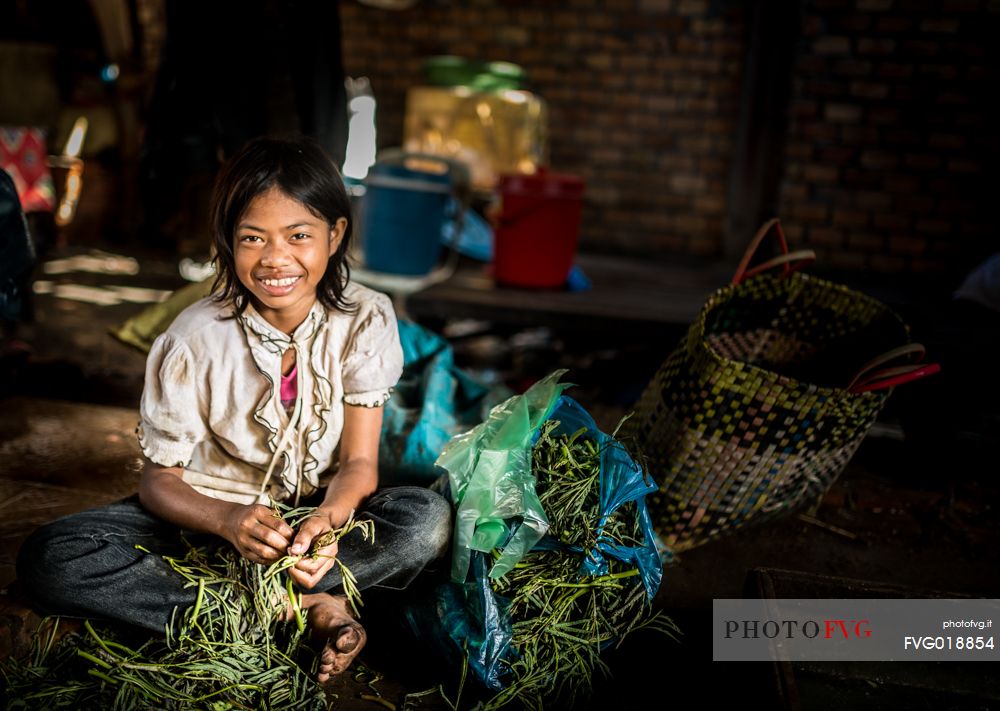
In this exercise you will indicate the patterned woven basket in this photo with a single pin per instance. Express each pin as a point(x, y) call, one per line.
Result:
point(766, 399)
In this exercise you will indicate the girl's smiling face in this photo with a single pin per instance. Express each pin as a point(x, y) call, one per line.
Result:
point(281, 251)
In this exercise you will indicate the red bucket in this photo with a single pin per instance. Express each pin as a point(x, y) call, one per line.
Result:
point(538, 229)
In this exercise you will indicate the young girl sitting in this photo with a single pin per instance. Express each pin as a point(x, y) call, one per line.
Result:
point(271, 388)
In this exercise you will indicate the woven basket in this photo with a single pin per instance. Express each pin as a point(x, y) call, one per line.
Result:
point(766, 399)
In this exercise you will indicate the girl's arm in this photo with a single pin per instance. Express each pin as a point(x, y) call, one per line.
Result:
point(355, 481)
point(251, 528)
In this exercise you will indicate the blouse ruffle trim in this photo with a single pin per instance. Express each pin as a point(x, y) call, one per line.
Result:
point(372, 398)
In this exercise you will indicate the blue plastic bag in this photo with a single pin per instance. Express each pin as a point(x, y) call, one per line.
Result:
point(622, 481)
point(491, 483)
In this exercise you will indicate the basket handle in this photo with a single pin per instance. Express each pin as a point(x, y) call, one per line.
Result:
point(873, 377)
point(792, 261)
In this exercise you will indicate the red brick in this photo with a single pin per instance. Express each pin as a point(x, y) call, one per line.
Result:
point(939, 71)
point(869, 90)
point(907, 244)
point(700, 104)
point(668, 64)
point(871, 200)
point(950, 6)
point(810, 64)
point(940, 25)
point(963, 166)
point(895, 70)
point(704, 246)
point(859, 179)
point(933, 226)
point(695, 143)
point(849, 218)
point(689, 45)
point(927, 266)
point(812, 26)
point(705, 65)
point(842, 113)
point(918, 6)
point(879, 160)
point(690, 223)
point(858, 135)
point(948, 206)
point(893, 24)
point(687, 83)
point(902, 93)
point(876, 46)
point(922, 161)
point(713, 164)
point(710, 204)
point(883, 115)
point(662, 103)
point(901, 184)
point(650, 82)
point(691, 7)
point(599, 21)
point(865, 241)
point(837, 155)
point(851, 24)
point(793, 231)
point(688, 184)
point(953, 98)
point(832, 46)
point(943, 186)
point(795, 192)
point(826, 236)
point(945, 140)
point(600, 61)
point(852, 68)
point(809, 212)
point(821, 88)
point(915, 204)
point(656, 5)
point(902, 137)
point(892, 221)
point(874, 5)
point(821, 173)
point(927, 48)
point(805, 109)
point(828, 195)
point(708, 28)
point(886, 264)
point(848, 260)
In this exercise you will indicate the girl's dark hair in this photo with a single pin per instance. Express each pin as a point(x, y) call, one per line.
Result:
point(300, 169)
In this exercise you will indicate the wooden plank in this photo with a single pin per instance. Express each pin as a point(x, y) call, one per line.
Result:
point(626, 291)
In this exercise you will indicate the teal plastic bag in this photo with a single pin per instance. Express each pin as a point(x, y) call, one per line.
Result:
point(433, 401)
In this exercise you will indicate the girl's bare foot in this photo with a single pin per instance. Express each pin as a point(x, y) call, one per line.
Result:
point(334, 626)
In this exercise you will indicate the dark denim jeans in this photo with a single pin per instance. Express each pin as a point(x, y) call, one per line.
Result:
point(87, 564)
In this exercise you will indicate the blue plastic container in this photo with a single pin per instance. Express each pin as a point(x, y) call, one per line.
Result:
point(404, 210)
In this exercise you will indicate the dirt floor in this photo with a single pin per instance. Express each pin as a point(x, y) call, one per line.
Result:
point(915, 511)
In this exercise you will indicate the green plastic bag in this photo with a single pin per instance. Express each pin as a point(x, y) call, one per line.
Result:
point(489, 470)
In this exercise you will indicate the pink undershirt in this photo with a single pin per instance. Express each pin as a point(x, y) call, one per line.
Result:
point(290, 387)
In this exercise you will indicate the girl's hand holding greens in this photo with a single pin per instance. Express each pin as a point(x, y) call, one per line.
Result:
point(318, 550)
point(256, 534)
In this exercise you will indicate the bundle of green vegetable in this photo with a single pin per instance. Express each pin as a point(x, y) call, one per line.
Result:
point(233, 649)
point(562, 620)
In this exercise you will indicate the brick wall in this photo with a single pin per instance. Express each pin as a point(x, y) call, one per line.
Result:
point(892, 144)
point(642, 96)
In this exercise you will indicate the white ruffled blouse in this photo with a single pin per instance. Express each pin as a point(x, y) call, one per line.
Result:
point(212, 405)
